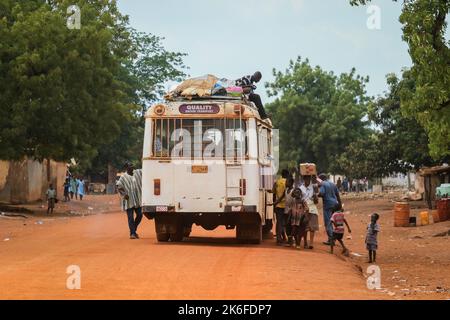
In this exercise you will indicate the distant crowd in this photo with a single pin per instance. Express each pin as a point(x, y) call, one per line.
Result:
point(352, 185)
point(74, 187)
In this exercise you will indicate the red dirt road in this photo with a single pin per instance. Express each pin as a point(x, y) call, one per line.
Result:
point(210, 265)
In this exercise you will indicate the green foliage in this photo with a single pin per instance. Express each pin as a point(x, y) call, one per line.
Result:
point(398, 143)
point(363, 158)
point(424, 27)
point(60, 94)
point(404, 141)
point(76, 93)
point(317, 112)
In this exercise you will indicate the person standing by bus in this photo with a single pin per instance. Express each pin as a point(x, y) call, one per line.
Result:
point(129, 187)
point(279, 191)
point(310, 195)
point(331, 203)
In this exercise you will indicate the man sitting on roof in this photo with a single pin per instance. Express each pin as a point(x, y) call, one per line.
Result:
point(247, 85)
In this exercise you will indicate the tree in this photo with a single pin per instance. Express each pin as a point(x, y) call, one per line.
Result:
point(61, 94)
point(318, 113)
point(424, 27)
point(76, 93)
point(363, 158)
point(144, 72)
point(398, 143)
point(405, 142)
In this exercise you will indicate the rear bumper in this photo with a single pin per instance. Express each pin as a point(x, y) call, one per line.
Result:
point(208, 220)
point(166, 209)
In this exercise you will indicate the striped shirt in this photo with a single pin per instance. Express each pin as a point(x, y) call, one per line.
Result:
point(245, 82)
point(132, 185)
point(338, 218)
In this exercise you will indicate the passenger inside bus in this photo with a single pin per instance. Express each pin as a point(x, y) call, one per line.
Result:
point(247, 84)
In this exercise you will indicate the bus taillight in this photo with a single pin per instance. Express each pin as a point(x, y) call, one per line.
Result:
point(242, 187)
point(157, 187)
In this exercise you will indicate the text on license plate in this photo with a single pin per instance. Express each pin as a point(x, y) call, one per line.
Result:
point(199, 169)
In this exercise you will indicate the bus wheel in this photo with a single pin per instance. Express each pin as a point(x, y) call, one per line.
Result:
point(177, 236)
point(176, 230)
point(187, 231)
point(162, 233)
point(248, 233)
point(162, 236)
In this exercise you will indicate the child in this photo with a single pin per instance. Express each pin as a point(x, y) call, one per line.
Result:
point(66, 190)
point(371, 237)
point(51, 199)
point(299, 218)
point(338, 220)
point(287, 210)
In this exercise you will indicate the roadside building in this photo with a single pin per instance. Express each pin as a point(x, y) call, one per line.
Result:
point(433, 177)
point(27, 180)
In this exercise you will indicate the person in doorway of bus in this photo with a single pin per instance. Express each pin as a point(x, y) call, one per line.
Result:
point(287, 210)
point(338, 221)
point(51, 199)
point(247, 84)
point(279, 192)
point(371, 237)
point(331, 200)
point(129, 187)
point(310, 194)
point(299, 218)
point(80, 188)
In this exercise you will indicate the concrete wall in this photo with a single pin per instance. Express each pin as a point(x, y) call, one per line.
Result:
point(28, 180)
point(399, 181)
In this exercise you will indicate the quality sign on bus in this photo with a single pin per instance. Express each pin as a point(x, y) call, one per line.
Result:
point(199, 108)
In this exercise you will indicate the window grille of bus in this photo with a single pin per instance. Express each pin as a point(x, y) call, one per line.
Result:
point(164, 139)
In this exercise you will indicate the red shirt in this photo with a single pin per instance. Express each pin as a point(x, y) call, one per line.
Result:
point(338, 219)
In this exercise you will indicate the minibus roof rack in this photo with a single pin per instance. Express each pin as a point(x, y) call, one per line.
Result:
point(208, 98)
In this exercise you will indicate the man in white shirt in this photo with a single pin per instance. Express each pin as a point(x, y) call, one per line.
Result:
point(310, 192)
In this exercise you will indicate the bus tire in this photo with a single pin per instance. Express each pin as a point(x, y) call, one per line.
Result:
point(187, 231)
point(162, 236)
point(247, 233)
point(177, 236)
point(177, 230)
point(162, 232)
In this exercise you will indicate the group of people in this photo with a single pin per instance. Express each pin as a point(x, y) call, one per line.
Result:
point(296, 214)
point(295, 208)
point(352, 185)
point(73, 187)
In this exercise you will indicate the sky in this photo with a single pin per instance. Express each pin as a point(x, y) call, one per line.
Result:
point(231, 39)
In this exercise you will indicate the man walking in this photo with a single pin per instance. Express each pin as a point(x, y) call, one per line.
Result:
point(331, 203)
point(130, 188)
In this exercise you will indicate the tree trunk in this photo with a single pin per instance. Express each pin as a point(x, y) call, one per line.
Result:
point(112, 173)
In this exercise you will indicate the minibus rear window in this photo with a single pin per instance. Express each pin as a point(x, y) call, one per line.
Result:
point(199, 138)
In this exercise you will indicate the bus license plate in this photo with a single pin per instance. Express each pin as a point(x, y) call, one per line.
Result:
point(162, 209)
point(199, 169)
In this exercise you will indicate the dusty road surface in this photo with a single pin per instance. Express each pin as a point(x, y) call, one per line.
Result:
point(210, 265)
